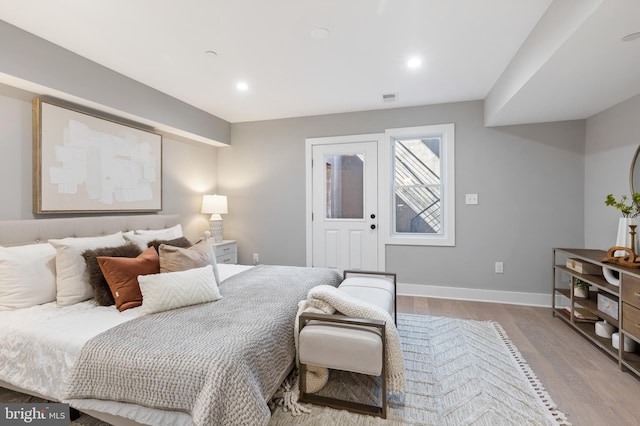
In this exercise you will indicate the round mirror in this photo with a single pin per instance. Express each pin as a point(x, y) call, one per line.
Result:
point(634, 176)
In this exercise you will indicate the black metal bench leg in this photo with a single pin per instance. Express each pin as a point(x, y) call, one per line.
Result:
point(74, 414)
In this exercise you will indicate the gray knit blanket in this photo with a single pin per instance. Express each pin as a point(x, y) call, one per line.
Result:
point(220, 362)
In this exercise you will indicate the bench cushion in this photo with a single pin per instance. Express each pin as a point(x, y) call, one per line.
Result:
point(343, 347)
point(349, 347)
point(377, 291)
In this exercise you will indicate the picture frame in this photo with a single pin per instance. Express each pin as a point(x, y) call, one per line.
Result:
point(87, 163)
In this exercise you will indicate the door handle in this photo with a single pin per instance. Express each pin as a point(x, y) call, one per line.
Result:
point(373, 216)
point(373, 226)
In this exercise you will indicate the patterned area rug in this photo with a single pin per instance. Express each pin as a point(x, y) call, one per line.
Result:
point(459, 372)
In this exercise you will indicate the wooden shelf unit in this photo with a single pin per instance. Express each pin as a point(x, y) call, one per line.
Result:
point(562, 277)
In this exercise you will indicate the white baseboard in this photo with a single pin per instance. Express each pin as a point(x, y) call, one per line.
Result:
point(476, 295)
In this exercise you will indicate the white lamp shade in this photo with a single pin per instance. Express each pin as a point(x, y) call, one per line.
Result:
point(214, 204)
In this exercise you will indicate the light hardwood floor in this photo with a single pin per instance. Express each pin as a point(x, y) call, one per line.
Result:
point(585, 383)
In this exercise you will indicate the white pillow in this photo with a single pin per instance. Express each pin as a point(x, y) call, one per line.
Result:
point(171, 290)
point(72, 280)
point(141, 240)
point(27, 276)
point(175, 231)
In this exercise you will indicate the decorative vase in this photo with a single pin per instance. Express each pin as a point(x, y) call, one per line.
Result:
point(628, 345)
point(604, 329)
point(580, 292)
point(624, 236)
point(611, 276)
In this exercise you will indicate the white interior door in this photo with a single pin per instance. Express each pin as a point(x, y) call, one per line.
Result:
point(345, 205)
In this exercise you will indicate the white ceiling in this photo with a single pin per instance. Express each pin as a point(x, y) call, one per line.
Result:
point(534, 60)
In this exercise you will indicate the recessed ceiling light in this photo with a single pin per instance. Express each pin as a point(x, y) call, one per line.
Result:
point(631, 37)
point(211, 53)
point(320, 33)
point(414, 62)
point(242, 86)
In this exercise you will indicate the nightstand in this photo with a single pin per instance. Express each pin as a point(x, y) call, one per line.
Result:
point(226, 251)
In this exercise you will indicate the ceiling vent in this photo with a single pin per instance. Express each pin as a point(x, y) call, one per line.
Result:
point(389, 97)
point(631, 37)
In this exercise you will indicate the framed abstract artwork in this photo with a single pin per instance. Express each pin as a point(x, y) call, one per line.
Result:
point(84, 163)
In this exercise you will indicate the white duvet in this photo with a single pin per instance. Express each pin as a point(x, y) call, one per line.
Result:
point(38, 345)
point(41, 343)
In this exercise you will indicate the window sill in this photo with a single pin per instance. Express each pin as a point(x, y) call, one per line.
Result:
point(419, 240)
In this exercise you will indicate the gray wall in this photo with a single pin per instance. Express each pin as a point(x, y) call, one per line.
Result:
point(529, 179)
point(189, 168)
point(537, 186)
point(611, 141)
point(38, 61)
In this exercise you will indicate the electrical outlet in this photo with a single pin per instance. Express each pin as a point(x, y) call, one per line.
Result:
point(256, 258)
point(499, 268)
point(471, 199)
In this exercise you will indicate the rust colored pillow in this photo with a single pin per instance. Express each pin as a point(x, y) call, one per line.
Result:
point(101, 291)
point(122, 273)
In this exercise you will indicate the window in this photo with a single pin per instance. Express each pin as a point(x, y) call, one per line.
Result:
point(345, 186)
point(421, 187)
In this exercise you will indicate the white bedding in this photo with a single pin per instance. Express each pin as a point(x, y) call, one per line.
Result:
point(41, 343)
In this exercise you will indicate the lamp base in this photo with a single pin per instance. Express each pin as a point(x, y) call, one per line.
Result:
point(216, 230)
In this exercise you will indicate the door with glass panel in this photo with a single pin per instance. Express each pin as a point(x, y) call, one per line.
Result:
point(345, 203)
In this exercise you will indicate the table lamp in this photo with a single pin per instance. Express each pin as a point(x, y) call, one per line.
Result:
point(215, 205)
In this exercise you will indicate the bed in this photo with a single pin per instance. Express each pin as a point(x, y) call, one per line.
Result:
point(210, 363)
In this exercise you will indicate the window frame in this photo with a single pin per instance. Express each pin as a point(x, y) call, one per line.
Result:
point(446, 132)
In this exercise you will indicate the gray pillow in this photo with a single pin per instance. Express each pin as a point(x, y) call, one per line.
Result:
point(174, 259)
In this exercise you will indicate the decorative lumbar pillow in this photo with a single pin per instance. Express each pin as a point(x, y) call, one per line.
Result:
point(142, 240)
point(174, 231)
point(171, 290)
point(101, 291)
point(176, 242)
point(27, 276)
point(71, 271)
point(122, 275)
point(173, 259)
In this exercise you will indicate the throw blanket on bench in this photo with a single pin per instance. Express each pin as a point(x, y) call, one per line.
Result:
point(218, 361)
point(327, 300)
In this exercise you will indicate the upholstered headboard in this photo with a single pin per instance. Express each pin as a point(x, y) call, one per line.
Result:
point(31, 231)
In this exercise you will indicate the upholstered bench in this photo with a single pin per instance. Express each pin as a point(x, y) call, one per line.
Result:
point(349, 344)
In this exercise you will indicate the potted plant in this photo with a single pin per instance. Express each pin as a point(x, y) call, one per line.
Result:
point(630, 209)
point(580, 288)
